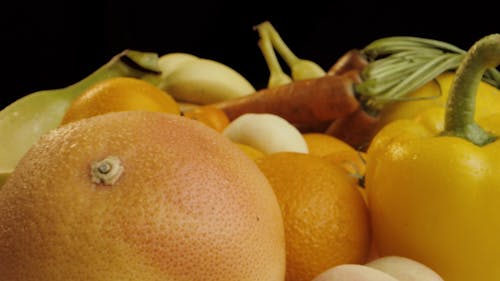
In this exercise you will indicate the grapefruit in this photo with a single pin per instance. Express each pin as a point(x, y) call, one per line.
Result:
point(139, 195)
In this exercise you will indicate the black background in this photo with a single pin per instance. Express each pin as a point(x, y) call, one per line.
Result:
point(52, 44)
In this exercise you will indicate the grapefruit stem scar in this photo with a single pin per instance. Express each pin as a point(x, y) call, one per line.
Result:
point(106, 171)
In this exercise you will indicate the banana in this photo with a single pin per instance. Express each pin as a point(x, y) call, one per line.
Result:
point(169, 62)
point(277, 76)
point(205, 81)
point(266, 132)
point(301, 69)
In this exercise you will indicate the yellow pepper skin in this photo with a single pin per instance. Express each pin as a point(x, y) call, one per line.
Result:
point(433, 182)
point(434, 94)
point(436, 199)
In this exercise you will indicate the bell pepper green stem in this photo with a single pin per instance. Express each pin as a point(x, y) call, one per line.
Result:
point(459, 115)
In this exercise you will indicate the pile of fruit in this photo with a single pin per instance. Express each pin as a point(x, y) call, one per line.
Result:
point(174, 167)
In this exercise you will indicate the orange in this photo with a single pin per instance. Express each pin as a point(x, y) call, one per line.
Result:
point(344, 155)
point(339, 153)
point(209, 115)
point(326, 220)
point(120, 94)
point(322, 144)
point(336, 151)
point(181, 203)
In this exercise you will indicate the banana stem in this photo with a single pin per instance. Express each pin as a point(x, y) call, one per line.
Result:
point(459, 116)
point(127, 63)
point(278, 43)
point(301, 69)
point(277, 76)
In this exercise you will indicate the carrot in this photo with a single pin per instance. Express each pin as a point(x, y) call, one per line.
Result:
point(351, 60)
point(346, 101)
point(303, 102)
point(356, 129)
point(319, 126)
point(327, 104)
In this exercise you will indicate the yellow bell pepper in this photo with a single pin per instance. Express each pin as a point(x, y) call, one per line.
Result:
point(433, 183)
point(434, 94)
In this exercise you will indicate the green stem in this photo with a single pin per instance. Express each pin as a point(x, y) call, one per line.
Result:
point(459, 116)
point(417, 61)
point(390, 45)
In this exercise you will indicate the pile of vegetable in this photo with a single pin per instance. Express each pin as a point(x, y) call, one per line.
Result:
point(361, 88)
point(424, 112)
